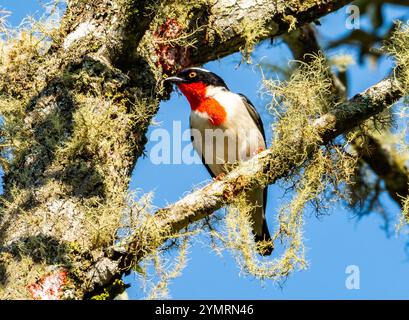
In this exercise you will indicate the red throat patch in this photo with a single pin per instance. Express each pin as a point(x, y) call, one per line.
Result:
point(196, 95)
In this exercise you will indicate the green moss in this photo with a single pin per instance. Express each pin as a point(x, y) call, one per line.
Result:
point(398, 48)
point(252, 31)
point(116, 288)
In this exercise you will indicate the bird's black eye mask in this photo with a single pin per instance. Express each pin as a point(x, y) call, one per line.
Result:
point(209, 78)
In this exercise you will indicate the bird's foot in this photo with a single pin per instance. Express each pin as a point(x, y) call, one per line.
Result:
point(258, 150)
point(219, 177)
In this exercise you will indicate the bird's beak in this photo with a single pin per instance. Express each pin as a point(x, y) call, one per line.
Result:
point(174, 79)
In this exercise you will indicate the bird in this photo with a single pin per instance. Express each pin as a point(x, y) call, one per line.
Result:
point(225, 129)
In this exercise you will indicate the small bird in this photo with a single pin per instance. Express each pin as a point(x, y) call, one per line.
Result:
point(225, 129)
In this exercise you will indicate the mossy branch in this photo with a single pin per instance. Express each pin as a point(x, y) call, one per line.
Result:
point(236, 26)
point(378, 153)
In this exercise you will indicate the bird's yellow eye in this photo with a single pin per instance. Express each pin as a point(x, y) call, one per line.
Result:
point(192, 74)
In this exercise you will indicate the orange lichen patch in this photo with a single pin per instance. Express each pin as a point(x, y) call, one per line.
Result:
point(171, 56)
point(48, 287)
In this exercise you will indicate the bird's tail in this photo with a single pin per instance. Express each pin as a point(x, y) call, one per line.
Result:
point(260, 230)
point(264, 250)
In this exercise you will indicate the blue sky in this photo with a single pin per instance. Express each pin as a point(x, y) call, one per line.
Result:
point(333, 241)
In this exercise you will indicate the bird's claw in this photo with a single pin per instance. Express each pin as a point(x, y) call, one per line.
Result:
point(219, 177)
point(258, 150)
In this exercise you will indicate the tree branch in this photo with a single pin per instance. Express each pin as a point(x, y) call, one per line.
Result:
point(238, 23)
point(386, 164)
point(378, 155)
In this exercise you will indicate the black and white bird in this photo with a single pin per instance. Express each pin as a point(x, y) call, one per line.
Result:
point(225, 129)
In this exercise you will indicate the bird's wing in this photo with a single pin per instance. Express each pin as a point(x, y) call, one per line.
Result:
point(254, 114)
point(203, 160)
point(257, 120)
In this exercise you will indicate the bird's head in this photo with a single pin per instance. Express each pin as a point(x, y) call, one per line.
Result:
point(194, 83)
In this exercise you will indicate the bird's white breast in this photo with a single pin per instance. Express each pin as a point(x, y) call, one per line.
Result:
point(236, 139)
